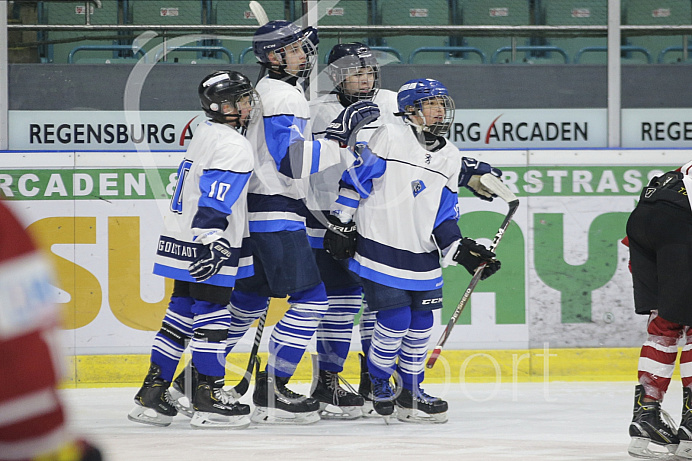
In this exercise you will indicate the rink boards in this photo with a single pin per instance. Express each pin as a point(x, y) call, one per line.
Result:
point(564, 286)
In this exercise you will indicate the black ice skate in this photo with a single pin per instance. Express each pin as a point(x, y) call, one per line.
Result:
point(215, 408)
point(154, 405)
point(276, 404)
point(648, 426)
point(685, 430)
point(183, 388)
point(365, 388)
point(383, 396)
point(335, 401)
point(418, 407)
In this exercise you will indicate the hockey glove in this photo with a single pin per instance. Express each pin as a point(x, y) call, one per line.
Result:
point(340, 238)
point(470, 177)
point(210, 259)
point(346, 125)
point(471, 254)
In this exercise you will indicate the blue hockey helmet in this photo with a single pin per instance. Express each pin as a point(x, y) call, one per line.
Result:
point(411, 98)
point(274, 36)
point(353, 60)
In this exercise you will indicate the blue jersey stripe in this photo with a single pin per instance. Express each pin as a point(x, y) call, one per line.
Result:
point(220, 189)
point(276, 225)
point(398, 258)
point(395, 282)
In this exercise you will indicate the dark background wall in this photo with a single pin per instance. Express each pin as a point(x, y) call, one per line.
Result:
point(173, 86)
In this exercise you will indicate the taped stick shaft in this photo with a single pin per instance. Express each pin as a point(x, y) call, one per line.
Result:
point(513, 205)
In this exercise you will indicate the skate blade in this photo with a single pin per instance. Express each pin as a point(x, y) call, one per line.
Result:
point(181, 403)
point(410, 415)
point(329, 411)
point(368, 411)
point(149, 416)
point(639, 448)
point(207, 420)
point(684, 449)
point(264, 415)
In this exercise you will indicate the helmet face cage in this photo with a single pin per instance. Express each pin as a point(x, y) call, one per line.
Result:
point(276, 36)
point(234, 106)
point(442, 127)
point(356, 74)
point(354, 61)
point(310, 50)
point(414, 93)
point(225, 94)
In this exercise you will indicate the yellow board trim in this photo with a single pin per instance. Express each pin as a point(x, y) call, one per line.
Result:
point(471, 366)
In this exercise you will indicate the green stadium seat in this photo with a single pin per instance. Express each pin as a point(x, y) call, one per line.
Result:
point(74, 13)
point(172, 13)
point(576, 13)
point(235, 12)
point(345, 13)
point(494, 13)
point(659, 12)
point(415, 13)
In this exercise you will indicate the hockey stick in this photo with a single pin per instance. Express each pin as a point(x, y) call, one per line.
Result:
point(241, 388)
point(262, 19)
point(496, 186)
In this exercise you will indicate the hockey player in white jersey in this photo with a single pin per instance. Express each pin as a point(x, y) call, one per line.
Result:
point(284, 263)
point(355, 75)
point(202, 250)
point(404, 187)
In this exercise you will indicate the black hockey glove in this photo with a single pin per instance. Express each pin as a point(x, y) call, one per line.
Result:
point(340, 238)
point(346, 125)
point(209, 260)
point(471, 254)
point(470, 177)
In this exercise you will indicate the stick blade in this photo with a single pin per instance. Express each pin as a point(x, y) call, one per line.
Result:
point(259, 13)
point(433, 357)
point(497, 187)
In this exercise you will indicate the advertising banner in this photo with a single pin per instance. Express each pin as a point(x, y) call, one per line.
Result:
point(564, 278)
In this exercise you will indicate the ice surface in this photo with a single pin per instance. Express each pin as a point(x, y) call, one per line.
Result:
point(525, 421)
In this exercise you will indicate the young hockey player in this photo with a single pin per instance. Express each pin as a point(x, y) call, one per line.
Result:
point(33, 424)
point(201, 250)
point(284, 263)
point(404, 188)
point(355, 75)
point(659, 232)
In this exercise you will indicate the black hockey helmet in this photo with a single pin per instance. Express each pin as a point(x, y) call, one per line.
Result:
point(353, 59)
point(220, 92)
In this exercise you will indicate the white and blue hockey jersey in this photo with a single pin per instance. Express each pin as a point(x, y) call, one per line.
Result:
point(324, 186)
point(408, 209)
point(210, 201)
point(284, 154)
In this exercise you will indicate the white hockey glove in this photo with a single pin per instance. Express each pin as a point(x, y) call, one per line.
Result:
point(470, 177)
point(210, 260)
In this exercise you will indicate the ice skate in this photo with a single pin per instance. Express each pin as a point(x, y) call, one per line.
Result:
point(365, 389)
point(335, 401)
point(276, 404)
point(383, 397)
point(216, 408)
point(182, 389)
point(154, 405)
point(418, 407)
point(685, 430)
point(647, 427)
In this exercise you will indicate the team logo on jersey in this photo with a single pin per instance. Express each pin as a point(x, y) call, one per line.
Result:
point(417, 186)
point(649, 192)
